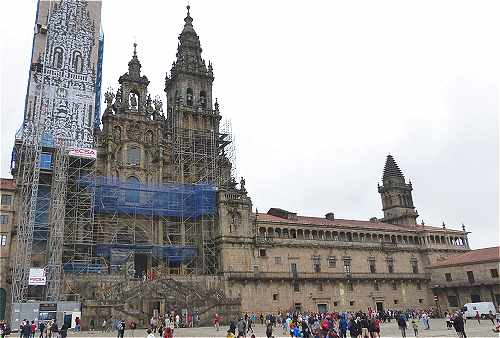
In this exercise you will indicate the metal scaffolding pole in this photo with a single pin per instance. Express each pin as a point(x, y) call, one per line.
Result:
point(56, 224)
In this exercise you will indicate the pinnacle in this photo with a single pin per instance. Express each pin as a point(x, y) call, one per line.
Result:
point(391, 169)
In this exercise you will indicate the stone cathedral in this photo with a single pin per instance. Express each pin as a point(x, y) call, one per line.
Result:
point(171, 223)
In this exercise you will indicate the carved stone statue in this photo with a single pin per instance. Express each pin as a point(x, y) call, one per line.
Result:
point(133, 101)
point(158, 105)
point(242, 184)
point(216, 105)
point(118, 99)
point(149, 107)
point(109, 96)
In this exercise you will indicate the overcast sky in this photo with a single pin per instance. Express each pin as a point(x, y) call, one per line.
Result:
point(319, 92)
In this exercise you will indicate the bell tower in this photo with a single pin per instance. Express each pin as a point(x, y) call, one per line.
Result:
point(189, 86)
point(397, 201)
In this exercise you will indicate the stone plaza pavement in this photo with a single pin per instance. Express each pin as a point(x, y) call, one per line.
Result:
point(438, 329)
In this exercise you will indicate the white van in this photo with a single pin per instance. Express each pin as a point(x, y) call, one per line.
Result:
point(483, 308)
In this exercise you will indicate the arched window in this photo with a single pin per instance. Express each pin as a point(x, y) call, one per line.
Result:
point(133, 154)
point(132, 192)
point(203, 99)
point(189, 97)
point(77, 62)
point(57, 60)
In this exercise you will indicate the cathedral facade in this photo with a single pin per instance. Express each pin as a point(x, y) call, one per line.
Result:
point(170, 223)
point(276, 260)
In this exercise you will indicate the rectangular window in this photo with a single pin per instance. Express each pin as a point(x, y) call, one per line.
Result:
point(414, 265)
point(262, 252)
point(332, 262)
point(494, 273)
point(316, 264)
point(46, 161)
point(6, 199)
point(347, 266)
point(394, 285)
point(350, 286)
point(4, 219)
point(475, 298)
point(335, 303)
point(296, 287)
point(375, 286)
point(396, 301)
point(3, 240)
point(419, 286)
point(420, 301)
point(277, 260)
point(453, 301)
point(298, 307)
point(351, 303)
point(447, 276)
point(275, 296)
point(371, 265)
point(133, 155)
point(470, 277)
point(293, 268)
point(390, 265)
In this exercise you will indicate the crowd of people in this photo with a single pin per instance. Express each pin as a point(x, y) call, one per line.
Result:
point(41, 329)
point(294, 324)
point(342, 324)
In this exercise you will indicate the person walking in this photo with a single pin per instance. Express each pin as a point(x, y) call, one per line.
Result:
point(492, 317)
point(402, 325)
point(121, 329)
point(343, 326)
point(217, 321)
point(478, 318)
point(269, 330)
point(242, 326)
point(33, 329)
point(41, 328)
point(150, 334)
point(414, 324)
point(63, 332)
point(458, 324)
point(77, 324)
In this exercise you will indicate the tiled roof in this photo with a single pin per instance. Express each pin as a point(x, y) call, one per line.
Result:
point(320, 221)
point(474, 256)
point(7, 184)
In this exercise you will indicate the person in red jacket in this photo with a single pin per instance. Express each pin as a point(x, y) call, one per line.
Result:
point(478, 317)
point(217, 320)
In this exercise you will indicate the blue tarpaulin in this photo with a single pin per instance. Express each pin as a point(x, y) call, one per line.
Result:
point(167, 199)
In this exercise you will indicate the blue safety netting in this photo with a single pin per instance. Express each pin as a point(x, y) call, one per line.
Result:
point(79, 267)
point(167, 199)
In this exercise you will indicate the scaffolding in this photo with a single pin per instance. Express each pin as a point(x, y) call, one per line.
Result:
point(27, 168)
point(56, 229)
point(79, 245)
point(196, 160)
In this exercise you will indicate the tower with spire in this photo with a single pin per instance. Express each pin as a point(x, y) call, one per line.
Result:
point(189, 85)
point(192, 116)
point(397, 201)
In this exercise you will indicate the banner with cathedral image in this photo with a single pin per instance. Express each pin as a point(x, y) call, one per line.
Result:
point(63, 80)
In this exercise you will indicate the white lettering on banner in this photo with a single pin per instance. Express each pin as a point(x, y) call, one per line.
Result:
point(83, 152)
point(37, 276)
